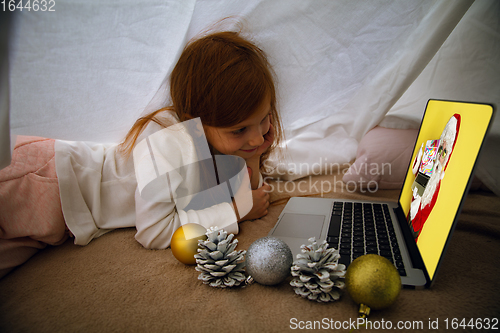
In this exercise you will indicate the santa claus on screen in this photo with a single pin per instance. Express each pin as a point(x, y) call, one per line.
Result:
point(429, 169)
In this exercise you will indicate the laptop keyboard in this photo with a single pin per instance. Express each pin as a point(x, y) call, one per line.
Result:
point(362, 228)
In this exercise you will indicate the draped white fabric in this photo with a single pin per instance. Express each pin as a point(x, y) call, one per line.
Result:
point(89, 69)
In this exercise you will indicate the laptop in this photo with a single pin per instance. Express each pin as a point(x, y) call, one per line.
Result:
point(414, 232)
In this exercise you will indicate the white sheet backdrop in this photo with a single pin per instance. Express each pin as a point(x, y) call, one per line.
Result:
point(89, 69)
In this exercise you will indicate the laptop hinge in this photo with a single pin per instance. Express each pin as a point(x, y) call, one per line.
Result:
point(413, 251)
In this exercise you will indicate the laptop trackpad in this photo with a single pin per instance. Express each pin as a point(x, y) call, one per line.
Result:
point(300, 226)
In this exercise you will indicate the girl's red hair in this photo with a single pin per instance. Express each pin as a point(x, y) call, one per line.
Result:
point(222, 78)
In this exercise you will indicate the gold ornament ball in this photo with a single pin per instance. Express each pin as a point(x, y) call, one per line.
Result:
point(184, 243)
point(373, 280)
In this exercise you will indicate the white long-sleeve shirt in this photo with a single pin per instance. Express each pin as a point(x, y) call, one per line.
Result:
point(99, 191)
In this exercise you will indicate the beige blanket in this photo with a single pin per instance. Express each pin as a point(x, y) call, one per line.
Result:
point(115, 285)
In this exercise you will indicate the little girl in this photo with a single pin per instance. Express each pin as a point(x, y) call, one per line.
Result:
point(57, 189)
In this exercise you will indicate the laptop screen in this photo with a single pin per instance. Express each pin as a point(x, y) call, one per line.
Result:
point(448, 143)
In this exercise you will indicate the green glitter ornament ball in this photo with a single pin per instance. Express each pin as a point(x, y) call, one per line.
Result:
point(373, 280)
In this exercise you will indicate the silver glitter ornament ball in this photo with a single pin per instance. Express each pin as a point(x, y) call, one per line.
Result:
point(268, 260)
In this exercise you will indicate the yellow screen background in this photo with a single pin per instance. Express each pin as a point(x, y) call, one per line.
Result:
point(474, 122)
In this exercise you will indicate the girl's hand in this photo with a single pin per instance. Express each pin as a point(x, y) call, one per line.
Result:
point(268, 141)
point(260, 198)
point(254, 161)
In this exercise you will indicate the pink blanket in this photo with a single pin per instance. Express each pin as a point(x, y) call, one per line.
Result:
point(30, 207)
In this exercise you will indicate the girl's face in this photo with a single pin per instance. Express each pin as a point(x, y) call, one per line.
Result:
point(244, 138)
